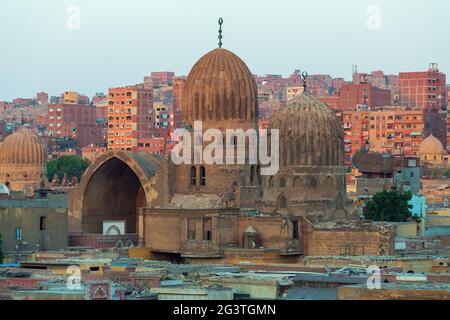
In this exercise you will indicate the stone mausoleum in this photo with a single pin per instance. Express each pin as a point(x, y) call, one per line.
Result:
point(229, 212)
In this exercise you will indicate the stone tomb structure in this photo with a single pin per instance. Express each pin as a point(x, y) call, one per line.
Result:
point(228, 212)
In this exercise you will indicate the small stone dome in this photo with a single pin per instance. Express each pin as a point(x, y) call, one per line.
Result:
point(220, 87)
point(431, 145)
point(23, 147)
point(310, 133)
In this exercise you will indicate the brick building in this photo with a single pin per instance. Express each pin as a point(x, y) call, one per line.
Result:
point(42, 97)
point(91, 152)
point(91, 134)
point(396, 130)
point(426, 89)
point(162, 78)
point(129, 116)
point(64, 120)
point(352, 95)
point(151, 145)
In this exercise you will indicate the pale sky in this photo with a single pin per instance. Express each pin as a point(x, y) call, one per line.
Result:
point(121, 41)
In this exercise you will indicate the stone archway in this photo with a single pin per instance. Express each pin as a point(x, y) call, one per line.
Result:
point(114, 187)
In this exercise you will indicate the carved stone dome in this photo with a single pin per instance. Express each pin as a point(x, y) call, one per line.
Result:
point(23, 158)
point(23, 147)
point(220, 87)
point(310, 133)
point(431, 145)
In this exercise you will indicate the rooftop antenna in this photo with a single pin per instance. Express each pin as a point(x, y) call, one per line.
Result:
point(220, 32)
point(304, 76)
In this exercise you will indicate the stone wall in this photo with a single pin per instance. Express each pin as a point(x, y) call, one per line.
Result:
point(357, 238)
point(53, 237)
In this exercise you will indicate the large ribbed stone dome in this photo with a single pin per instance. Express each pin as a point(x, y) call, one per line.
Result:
point(310, 133)
point(220, 87)
point(23, 147)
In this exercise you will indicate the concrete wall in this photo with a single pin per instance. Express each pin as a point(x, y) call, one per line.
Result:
point(349, 240)
point(406, 229)
point(33, 239)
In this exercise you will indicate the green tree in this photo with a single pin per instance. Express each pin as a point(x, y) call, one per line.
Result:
point(447, 172)
point(1, 252)
point(74, 166)
point(389, 205)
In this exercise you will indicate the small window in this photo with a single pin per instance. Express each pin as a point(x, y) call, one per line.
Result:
point(295, 229)
point(18, 233)
point(202, 176)
point(42, 224)
point(312, 182)
point(191, 229)
point(193, 176)
point(411, 174)
point(207, 229)
point(282, 182)
point(282, 203)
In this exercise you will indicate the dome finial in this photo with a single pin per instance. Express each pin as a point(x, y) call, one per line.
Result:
point(304, 76)
point(220, 32)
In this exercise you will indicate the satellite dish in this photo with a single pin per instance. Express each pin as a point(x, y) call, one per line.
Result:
point(28, 190)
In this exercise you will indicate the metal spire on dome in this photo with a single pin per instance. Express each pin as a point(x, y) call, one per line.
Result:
point(304, 76)
point(220, 32)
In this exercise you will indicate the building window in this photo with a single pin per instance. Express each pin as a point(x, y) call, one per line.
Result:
point(193, 176)
point(312, 182)
point(207, 229)
point(42, 223)
point(202, 176)
point(18, 233)
point(295, 229)
point(282, 182)
point(271, 182)
point(253, 175)
point(411, 174)
point(282, 203)
point(191, 229)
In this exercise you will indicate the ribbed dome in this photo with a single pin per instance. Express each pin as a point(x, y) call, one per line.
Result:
point(23, 147)
point(431, 145)
point(220, 87)
point(310, 133)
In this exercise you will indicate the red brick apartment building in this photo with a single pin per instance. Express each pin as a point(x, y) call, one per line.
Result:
point(129, 116)
point(162, 78)
point(352, 95)
point(64, 120)
point(397, 130)
point(425, 89)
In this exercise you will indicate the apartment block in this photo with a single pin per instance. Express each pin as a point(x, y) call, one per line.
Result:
point(395, 130)
point(425, 89)
point(64, 120)
point(129, 116)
